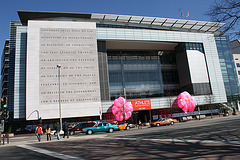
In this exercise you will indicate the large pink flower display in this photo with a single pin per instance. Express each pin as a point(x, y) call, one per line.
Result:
point(186, 102)
point(122, 109)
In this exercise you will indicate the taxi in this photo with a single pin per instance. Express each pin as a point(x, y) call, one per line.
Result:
point(123, 126)
point(164, 121)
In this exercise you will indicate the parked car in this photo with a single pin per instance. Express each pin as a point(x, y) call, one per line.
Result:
point(131, 125)
point(123, 125)
point(165, 121)
point(78, 128)
point(101, 127)
point(53, 132)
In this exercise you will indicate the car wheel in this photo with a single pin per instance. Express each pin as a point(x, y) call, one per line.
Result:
point(71, 133)
point(110, 130)
point(158, 124)
point(127, 128)
point(89, 131)
point(172, 123)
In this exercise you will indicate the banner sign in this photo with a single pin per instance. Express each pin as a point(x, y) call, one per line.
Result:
point(144, 104)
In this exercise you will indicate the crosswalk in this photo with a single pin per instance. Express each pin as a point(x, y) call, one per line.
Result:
point(50, 153)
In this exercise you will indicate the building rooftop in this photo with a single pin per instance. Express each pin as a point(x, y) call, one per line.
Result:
point(151, 22)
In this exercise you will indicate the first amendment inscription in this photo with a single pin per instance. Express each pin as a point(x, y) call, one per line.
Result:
point(74, 50)
point(73, 46)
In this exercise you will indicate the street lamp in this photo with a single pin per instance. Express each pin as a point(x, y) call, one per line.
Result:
point(59, 90)
point(124, 92)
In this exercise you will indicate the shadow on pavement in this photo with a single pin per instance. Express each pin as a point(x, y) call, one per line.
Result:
point(141, 149)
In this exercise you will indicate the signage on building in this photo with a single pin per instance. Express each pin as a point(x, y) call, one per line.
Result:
point(144, 104)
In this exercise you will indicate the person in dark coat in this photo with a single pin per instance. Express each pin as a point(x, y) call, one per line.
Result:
point(65, 129)
point(139, 124)
point(58, 128)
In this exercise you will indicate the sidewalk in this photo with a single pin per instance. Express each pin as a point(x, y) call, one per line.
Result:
point(32, 138)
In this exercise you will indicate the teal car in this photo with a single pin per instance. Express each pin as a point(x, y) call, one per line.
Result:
point(101, 127)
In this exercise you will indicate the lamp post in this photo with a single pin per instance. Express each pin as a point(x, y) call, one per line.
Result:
point(124, 92)
point(59, 90)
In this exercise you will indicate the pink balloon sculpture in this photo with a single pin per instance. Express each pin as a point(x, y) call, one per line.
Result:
point(120, 107)
point(186, 102)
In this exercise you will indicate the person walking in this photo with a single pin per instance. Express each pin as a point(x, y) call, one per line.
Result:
point(39, 132)
point(65, 129)
point(58, 128)
point(139, 124)
point(48, 132)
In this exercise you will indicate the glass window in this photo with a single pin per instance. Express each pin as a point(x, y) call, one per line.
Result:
point(228, 72)
point(99, 125)
point(79, 125)
point(194, 46)
point(139, 74)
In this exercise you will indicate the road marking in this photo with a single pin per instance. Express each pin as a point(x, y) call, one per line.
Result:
point(19, 138)
point(50, 153)
point(180, 140)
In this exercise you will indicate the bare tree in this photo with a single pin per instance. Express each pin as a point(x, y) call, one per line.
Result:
point(226, 11)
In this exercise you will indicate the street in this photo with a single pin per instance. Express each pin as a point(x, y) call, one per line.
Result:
point(216, 138)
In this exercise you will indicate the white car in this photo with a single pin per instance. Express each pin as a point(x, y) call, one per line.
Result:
point(53, 132)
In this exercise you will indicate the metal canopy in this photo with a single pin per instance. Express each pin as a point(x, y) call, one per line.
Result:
point(177, 24)
point(201, 26)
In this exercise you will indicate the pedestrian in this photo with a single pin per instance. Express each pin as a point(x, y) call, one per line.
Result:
point(39, 132)
point(48, 132)
point(58, 128)
point(65, 129)
point(139, 124)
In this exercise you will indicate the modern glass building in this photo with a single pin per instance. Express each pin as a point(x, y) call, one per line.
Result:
point(5, 69)
point(235, 45)
point(147, 60)
point(230, 77)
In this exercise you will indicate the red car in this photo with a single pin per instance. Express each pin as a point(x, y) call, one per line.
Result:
point(78, 128)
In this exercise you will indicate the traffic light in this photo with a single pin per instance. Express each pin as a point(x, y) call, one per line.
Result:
point(5, 114)
point(4, 102)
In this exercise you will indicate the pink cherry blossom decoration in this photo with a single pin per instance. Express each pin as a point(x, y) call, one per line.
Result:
point(120, 108)
point(186, 102)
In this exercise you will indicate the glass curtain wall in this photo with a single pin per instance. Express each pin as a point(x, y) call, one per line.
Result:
point(138, 74)
point(228, 67)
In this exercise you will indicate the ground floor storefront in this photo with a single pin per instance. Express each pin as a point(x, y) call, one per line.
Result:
point(149, 115)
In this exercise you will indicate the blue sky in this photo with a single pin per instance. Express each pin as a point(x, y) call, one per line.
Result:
point(151, 8)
